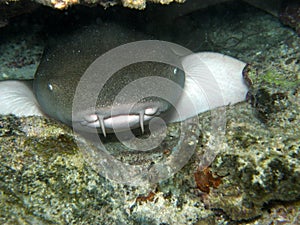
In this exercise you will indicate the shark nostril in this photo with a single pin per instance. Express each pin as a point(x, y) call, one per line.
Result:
point(94, 120)
point(91, 118)
point(102, 126)
point(151, 111)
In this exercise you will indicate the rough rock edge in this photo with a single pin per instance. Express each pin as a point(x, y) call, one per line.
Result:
point(13, 8)
point(63, 4)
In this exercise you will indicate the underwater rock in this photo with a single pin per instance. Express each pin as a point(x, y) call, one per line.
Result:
point(13, 9)
point(270, 93)
point(63, 4)
point(263, 163)
point(290, 14)
point(44, 172)
point(44, 179)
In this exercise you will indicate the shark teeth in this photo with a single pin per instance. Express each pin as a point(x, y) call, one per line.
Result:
point(102, 126)
point(119, 122)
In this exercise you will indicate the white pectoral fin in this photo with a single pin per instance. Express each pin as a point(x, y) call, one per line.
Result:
point(17, 98)
point(212, 80)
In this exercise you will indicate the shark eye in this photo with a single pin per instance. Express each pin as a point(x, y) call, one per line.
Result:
point(50, 87)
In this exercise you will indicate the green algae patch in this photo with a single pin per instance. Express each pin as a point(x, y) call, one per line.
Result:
point(280, 80)
point(25, 138)
point(277, 81)
point(271, 92)
point(63, 145)
point(45, 137)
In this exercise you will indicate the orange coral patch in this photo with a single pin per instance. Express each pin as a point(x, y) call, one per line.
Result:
point(149, 197)
point(204, 180)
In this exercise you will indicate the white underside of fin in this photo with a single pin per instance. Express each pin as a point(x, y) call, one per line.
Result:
point(212, 80)
point(17, 98)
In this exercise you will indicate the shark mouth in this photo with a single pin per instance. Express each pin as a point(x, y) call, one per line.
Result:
point(119, 122)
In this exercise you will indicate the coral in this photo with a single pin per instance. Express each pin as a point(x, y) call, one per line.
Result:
point(204, 180)
point(149, 197)
point(64, 4)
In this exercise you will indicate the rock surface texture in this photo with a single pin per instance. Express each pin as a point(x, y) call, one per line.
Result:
point(254, 179)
